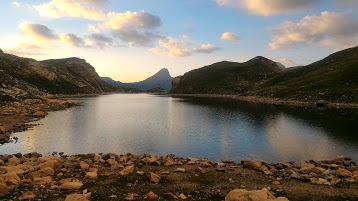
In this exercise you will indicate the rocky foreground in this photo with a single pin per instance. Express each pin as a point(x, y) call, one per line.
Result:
point(148, 177)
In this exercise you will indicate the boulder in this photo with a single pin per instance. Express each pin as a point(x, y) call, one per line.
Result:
point(154, 178)
point(13, 161)
point(91, 175)
point(42, 180)
point(307, 168)
point(78, 197)
point(8, 182)
point(2, 129)
point(256, 195)
point(28, 196)
point(321, 103)
point(38, 114)
point(127, 170)
point(151, 196)
point(84, 165)
point(75, 185)
point(342, 172)
point(179, 170)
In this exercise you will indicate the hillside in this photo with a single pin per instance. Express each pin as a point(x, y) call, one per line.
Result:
point(227, 77)
point(23, 78)
point(334, 78)
point(161, 79)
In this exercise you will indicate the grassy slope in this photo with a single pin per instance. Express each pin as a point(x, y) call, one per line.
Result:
point(228, 77)
point(334, 78)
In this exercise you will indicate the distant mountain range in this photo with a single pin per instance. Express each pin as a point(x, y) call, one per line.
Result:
point(161, 79)
point(334, 78)
point(22, 78)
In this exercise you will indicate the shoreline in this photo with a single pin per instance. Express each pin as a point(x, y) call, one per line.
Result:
point(272, 101)
point(137, 177)
point(17, 117)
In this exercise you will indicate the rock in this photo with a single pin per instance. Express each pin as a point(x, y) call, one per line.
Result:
point(307, 168)
point(10, 179)
point(4, 189)
point(154, 178)
point(227, 161)
point(335, 181)
point(320, 181)
point(84, 165)
point(341, 172)
point(152, 196)
point(321, 103)
point(201, 170)
point(28, 196)
point(276, 183)
point(49, 161)
point(91, 175)
point(127, 170)
point(182, 196)
point(131, 196)
point(47, 171)
point(78, 197)
point(75, 185)
point(165, 173)
point(339, 159)
point(13, 161)
point(258, 166)
point(2, 129)
point(12, 169)
point(39, 114)
point(42, 180)
point(355, 172)
point(141, 173)
point(257, 195)
point(179, 170)
point(205, 164)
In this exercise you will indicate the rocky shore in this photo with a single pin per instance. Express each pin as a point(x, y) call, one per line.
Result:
point(273, 101)
point(149, 177)
point(16, 117)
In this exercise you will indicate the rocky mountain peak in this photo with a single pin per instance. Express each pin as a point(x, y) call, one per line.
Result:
point(1, 52)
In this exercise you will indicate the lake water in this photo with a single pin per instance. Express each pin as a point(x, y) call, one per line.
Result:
point(212, 128)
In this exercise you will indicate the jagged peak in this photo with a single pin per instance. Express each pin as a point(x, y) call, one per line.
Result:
point(1, 52)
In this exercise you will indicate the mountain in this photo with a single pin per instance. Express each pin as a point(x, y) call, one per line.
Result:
point(161, 79)
point(22, 78)
point(227, 77)
point(334, 78)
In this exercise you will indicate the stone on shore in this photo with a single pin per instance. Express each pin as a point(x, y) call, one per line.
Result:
point(75, 185)
point(256, 195)
point(179, 170)
point(91, 175)
point(127, 170)
point(341, 172)
point(151, 196)
point(84, 165)
point(154, 178)
point(78, 197)
point(28, 196)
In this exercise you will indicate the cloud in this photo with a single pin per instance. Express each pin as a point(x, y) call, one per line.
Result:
point(229, 36)
point(269, 7)
point(88, 9)
point(39, 32)
point(347, 3)
point(331, 29)
point(73, 40)
point(100, 41)
point(173, 47)
point(133, 28)
point(206, 48)
point(287, 62)
point(181, 47)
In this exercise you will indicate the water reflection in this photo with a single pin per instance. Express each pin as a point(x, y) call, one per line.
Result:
point(210, 128)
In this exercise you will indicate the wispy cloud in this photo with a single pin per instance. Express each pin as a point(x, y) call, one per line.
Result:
point(181, 47)
point(269, 7)
point(228, 36)
point(337, 30)
point(88, 9)
point(133, 28)
point(38, 32)
point(73, 40)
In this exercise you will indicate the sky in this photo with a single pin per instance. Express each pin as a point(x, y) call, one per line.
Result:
point(130, 40)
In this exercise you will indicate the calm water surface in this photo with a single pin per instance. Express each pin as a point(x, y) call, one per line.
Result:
point(211, 128)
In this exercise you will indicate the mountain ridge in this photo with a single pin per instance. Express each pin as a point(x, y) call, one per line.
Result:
point(333, 78)
point(161, 79)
